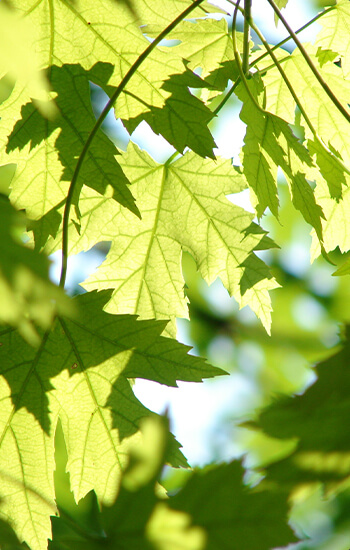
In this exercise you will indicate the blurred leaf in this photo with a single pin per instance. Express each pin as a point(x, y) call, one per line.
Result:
point(212, 511)
point(232, 515)
point(19, 60)
point(79, 373)
point(316, 420)
point(27, 296)
point(344, 269)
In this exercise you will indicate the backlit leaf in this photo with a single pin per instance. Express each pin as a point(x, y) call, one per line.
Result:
point(270, 143)
point(335, 32)
point(180, 212)
point(56, 144)
point(118, 40)
point(79, 374)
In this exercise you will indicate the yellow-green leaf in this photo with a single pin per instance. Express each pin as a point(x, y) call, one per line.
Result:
point(80, 374)
point(180, 211)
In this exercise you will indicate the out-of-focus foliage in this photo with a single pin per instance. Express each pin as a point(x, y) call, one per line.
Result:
point(195, 518)
point(67, 373)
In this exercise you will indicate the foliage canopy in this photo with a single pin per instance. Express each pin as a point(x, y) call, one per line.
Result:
point(68, 364)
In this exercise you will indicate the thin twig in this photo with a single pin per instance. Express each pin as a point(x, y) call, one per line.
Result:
point(238, 59)
point(246, 35)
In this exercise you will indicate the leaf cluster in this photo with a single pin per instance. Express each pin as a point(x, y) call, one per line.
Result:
point(70, 363)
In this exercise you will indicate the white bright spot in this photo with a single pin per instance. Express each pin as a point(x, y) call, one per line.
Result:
point(307, 312)
point(242, 199)
point(221, 351)
point(219, 299)
point(79, 267)
point(295, 258)
point(194, 409)
point(229, 132)
point(156, 145)
point(321, 281)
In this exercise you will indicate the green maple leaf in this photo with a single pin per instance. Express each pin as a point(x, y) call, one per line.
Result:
point(180, 211)
point(27, 294)
point(79, 374)
point(334, 35)
point(205, 43)
point(319, 454)
point(36, 142)
point(268, 144)
point(329, 123)
point(112, 34)
point(183, 120)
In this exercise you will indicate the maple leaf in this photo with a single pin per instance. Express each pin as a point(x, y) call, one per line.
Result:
point(334, 35)
point(183, 120)
point(119, 41)
point(79, 374)
point(206, 44)
point(180, 211)
point(36, 142)
point(270, 143)
point(329, 124)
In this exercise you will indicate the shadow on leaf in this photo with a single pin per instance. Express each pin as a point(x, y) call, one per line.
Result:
point(63, 138)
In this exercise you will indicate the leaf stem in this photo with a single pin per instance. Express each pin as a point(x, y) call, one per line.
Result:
point(238, 59)
point(246, 35)
point(310, 63)
point(97, 125)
